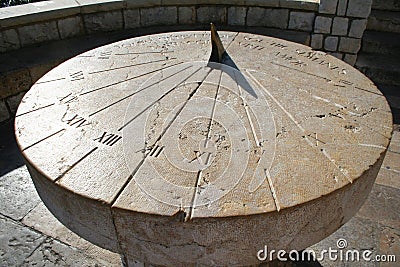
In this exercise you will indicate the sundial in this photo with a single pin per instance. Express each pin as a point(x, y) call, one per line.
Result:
point(198, 147)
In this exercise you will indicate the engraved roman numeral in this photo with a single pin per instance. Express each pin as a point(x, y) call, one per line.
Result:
point(274, 44)
point(108, 138)
point(76, 76)
point(346, 82)
point(105, 55)
point(156, 151)
point(77, 121)
point(251, 46)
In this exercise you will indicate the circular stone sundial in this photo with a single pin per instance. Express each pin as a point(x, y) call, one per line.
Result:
point(189, 147)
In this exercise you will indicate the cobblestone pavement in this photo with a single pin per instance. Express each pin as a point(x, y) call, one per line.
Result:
point(31, 236)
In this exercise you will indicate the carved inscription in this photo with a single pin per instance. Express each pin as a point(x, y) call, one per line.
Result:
point(76, 76)
point(315, 57)
point(292, 60)
point(108, 139)
point(76, 121)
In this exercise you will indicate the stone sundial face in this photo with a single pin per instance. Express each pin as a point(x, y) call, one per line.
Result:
point(149, 125)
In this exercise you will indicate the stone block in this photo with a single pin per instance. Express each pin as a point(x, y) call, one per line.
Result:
point(37, 33)
point(349, 45)
point(187, 15)
point(16, 241)
point(357, 28)
point(215, 14)
point(4, 114)
point(17, 187)
point(322, 24)
point(302, 21)
point(92, 6)
point(331, 43)
point(341, 8)
point(311, 5)
point(336, 54)
point(350, 59)
point(9, 40)
point(38, 12)
point(14, 82)
point(317, 41)
point(237, 16)
point(340, 26)
point(158, 16)
point(104, 21)
point(142, 3)
point(267, 17)
point(13, 102)
point(327, 6)
point(131, 18)
point(70, 27)
point(359, 8)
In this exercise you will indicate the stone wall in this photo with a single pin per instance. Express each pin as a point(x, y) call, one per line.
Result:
point(334, 26)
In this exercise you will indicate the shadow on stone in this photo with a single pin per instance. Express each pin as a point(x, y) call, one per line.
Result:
point(10, 157)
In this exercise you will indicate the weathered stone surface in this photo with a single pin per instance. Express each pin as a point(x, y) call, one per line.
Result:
point(322, 24)
point(301, 20)
point(349, 45)
point(336, 55)
point(142, 3)
point(357, 28)
point(327, 6)
point(331, 43)
point(4, 114)
point(276, 18)
point(342, 7)
point(317, 41)
point(17, 182)
point(43, 221)
point(187, 15)
point(237, 15)
point(14, 82)
point(104, 21)
point(359, 8)
point(381, 206)
point(54, 253)
point(37, 33)
point(9, 40)
point(69, 27)
point(312, 5)
point(111, 180)
point(215, 14)
point(13, 101)
point(158, 16)
point(340, 26)
point(350, 58)
point(132, 18)
point(16, 242)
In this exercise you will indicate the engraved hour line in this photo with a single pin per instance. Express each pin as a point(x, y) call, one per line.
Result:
point(132, 65)
point(161, 134)
point(297, 124)
point(45, 138)
point(312, 74)
point(140, 53)
point(58, 79)
point(35, 110)
point(164, 95)
point(132, 78)
point(130, 95)
point(213, 110)
point(246, 108)
point(74, 164)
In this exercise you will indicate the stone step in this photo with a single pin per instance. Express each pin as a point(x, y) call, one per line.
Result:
point(381, 69)
point(381, 42)
point(385, 21)
point(390, 5)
